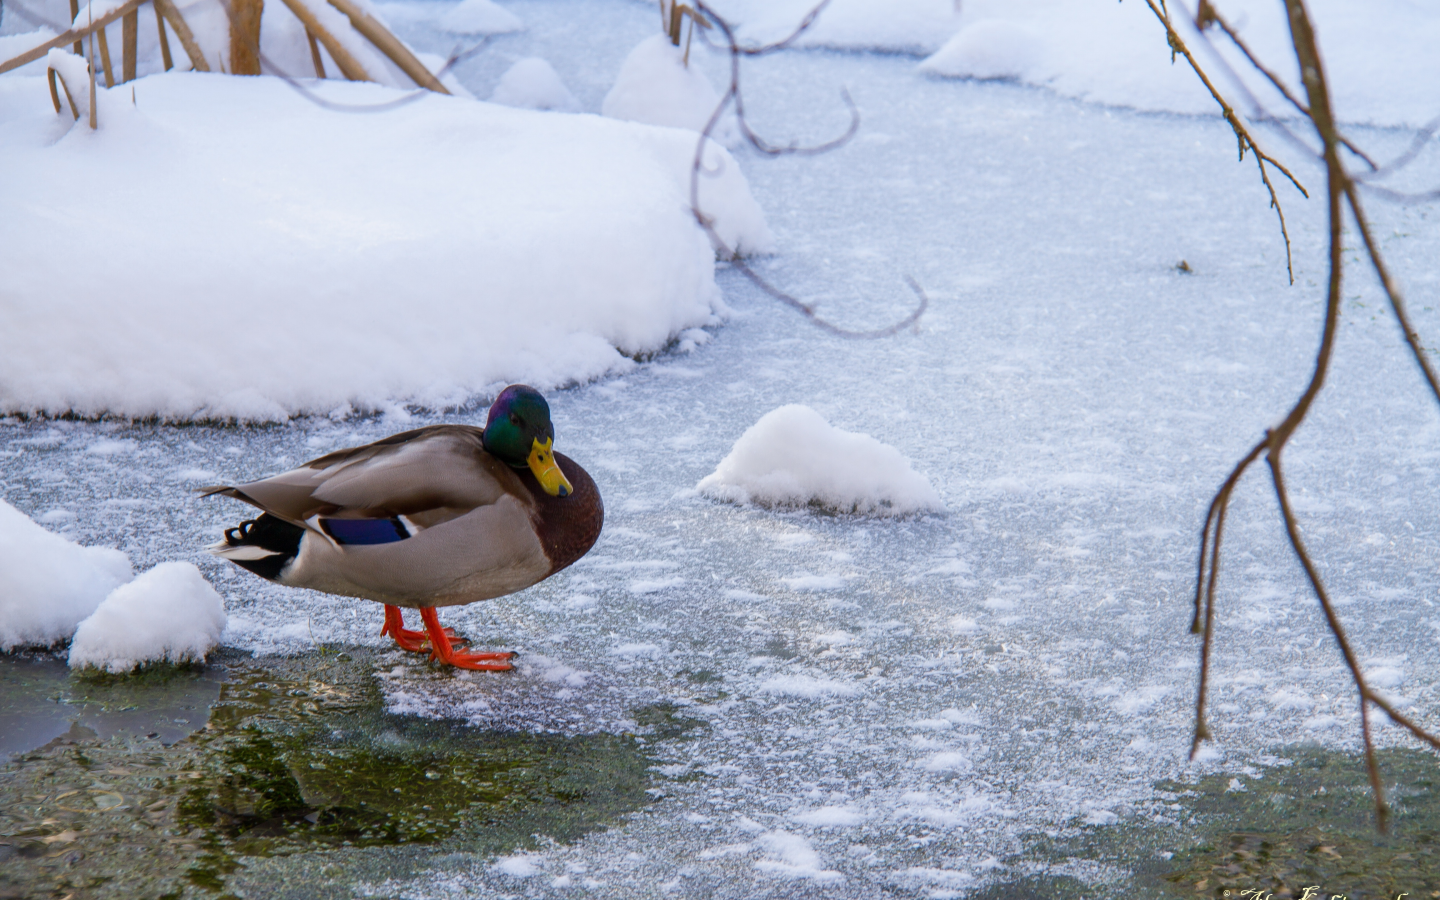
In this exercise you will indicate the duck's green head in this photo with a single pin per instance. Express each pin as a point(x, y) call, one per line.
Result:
point(519, 432)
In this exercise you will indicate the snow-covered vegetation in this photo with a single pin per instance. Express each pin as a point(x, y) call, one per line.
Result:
point(344, 261)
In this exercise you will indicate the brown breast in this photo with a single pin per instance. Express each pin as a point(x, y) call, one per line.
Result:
point(567, 526)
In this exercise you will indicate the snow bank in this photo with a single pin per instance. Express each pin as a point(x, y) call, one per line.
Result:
point(49, 584)
point(425, 254)
point(793, 457)
point(655, 86)
point(1379, 55)
point(169, 614)
point(532, 83)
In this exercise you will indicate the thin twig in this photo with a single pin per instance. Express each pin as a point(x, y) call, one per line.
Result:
point(1242, 135)
point(734, 95)
point(1340, 190)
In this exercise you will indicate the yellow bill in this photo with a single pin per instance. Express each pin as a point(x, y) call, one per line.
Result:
point(547, 472)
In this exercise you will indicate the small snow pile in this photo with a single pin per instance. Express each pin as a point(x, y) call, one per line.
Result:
point(480, 17)
point(532, 83)
point(793, 457)
point(423, 254)
point(655, 86)
point(1379, 56)
point(169, 614)
point(791, 856)
point(48, 584)
point(994, 48)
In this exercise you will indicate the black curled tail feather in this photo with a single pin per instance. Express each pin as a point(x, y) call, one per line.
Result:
point(264, 545)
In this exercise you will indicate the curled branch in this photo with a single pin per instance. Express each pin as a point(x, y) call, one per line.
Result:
point(733, 94)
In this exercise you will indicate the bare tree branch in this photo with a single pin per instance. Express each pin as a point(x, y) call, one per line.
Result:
point(1341, 191)
point(733, 94)
point(1242, 135)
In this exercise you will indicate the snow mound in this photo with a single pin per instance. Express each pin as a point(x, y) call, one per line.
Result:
point(532, 83)
point(894, 26)
point(169, 614)
point(425, 255)
point(656, 87)
point(993, 48)
point(793, 457)
point(48, 584)
point(479, 17)
point(1379, 55)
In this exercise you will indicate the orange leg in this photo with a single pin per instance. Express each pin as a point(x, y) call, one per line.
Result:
point(443, 650)
point(414, 641)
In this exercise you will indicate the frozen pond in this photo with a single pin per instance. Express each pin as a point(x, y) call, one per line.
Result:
point(904, 707)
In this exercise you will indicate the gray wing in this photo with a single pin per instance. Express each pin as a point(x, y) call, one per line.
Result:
point(432, 477)
point(429, 476)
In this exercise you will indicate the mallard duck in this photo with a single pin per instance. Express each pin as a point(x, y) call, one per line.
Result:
point(439, 516)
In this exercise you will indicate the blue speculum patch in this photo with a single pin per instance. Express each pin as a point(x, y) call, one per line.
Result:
point(365, 531)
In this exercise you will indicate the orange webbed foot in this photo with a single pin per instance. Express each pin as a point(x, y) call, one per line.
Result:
point(414, 641)
point(444, 650)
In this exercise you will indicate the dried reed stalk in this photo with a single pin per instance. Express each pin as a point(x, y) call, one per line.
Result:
point(245, 36)
point(390, 45)
point(51, 75)
point(164, 42)
point(349, 66)
point(129, 39)
point(105, 58)
point(315, 55)
point(182, 31)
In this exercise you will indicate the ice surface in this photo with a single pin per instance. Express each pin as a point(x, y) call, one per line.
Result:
point(169, 614)
point(1074, 398)
point(533, 84)
point(348, 261)
point(656, 86)
point(793, 457)
point(47, 583)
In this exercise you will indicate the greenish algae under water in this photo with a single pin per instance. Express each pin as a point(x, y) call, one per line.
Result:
point(299, 785)
point(1309, 823)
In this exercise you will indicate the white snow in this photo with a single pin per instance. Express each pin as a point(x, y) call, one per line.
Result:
point(519, 865)
point(657, 87)
point(807, 687)
point(793, 457)
point(169, 614)
point(479, 17)
point(532, 83)
point(789, 855)
point(47, 583)
point(830, 817)
point(1379, 54)
point(487, 244)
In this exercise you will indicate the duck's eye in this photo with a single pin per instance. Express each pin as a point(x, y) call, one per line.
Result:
point(515, 419)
